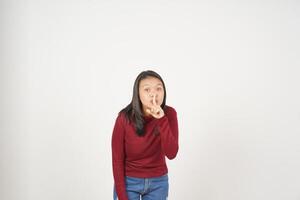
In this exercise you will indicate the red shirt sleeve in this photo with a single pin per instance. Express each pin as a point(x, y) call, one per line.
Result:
point(118, 157)
point(168, 127)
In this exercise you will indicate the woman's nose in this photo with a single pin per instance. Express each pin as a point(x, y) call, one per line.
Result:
point(153, 94)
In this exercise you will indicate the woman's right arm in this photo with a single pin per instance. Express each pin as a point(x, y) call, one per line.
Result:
point(118, 157)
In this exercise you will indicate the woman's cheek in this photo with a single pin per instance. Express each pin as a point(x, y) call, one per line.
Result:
point(160, 102)
point(146, 101)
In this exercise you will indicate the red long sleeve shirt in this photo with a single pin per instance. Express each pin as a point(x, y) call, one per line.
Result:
point(143, 157)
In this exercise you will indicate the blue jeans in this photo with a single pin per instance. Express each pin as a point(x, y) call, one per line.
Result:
point(156, 188)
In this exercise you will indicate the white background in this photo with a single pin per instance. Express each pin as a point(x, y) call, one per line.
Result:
point(231, 69)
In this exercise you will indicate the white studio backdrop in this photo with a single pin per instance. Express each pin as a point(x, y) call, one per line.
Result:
point(231, 69)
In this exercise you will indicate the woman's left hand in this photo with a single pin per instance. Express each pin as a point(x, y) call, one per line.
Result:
point(155, 110)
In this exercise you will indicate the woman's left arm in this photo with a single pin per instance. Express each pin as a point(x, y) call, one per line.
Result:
point(168, 128)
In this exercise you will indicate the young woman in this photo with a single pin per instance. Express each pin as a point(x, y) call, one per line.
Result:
point(144, 133)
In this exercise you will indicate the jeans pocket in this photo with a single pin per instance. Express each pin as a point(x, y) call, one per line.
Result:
point(132, 181)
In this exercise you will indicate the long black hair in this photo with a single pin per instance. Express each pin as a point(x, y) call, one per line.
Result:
point(133, 111)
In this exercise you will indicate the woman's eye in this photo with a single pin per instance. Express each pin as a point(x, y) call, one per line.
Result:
point(159, 89)
point(147, 90)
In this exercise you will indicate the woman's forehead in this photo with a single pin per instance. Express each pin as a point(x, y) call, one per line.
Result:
point(151, 81)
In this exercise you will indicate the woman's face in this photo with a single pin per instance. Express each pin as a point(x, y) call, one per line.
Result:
point(149, 88)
